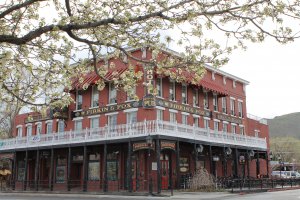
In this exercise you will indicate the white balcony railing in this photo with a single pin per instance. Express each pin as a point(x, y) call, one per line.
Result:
point(137, 129)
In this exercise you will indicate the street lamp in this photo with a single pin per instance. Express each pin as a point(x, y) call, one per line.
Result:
point(216, 159)
point(149, 142)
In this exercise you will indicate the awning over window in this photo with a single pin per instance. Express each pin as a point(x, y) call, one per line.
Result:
point(92, 77)
point(213, 87)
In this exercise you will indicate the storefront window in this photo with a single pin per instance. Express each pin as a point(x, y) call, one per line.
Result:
point(21, 170)
point(94, 167)
point(60, 170)
point(112, 167)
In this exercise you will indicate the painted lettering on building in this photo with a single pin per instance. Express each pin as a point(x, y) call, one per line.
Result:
point(229, 118)
point(142, 145)
point(164, 144)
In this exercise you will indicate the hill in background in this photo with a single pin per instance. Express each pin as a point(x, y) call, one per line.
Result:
point(285, 125)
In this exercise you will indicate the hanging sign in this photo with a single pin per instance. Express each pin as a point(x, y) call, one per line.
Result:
point(142, 145)
point(164, 144)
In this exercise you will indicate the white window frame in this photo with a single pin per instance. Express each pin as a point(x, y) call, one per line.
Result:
point(95, 97)
point(224, 105)
point(172, 90)
point(206, 123)
point(112, 94)
point(19, 131)
point(240, 108)
point(94, 119)
point(129, 97)
point(49, 124)
point(242, 130)
point(173, 117)
point(76, 122)
point(38, 127)
point(232, 106)
point(184, 94)
point(79, 100)
point(205, 100)
point(59, 123)
point(215, 102)
point(256, 133)
point(159, 87)
point(225, 130)
point(29, 127)
point(129, 117)
point(184, 118)
point(216, 126)
point(195, 97)
point(233, 128)
point(196, 121)
point(160, 114)
point(112, 118)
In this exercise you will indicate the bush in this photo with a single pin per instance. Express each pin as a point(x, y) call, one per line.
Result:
point(202, 181)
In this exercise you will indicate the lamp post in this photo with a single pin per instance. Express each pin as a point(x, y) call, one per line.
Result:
point(280, 163)
point(216, 159)
point(149, 143)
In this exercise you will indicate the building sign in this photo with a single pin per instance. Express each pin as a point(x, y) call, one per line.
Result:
point(149, 75)
point(183, 108)
point(149, 101)
point(242, 160)
point(229, 118)
point(36, 118)
point(142, 145)
point(106, 109)
point(164, 144)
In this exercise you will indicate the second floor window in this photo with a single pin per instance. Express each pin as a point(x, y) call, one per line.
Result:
point(233, 129)
point(256, 132)
point(215, 102)
point(224, 105)
point(159, 114)
point(195, 97)
point(216, 126)
point(173, 117)
point(112, 94)
point(196, 122)
point(78, 125)
point(95, 96)
point(130, 96)
point(60, 126)
point(49, 127)
point(242, 131)
point(232, 110)
point(19, 131)
point(29, 130)
point(159, 87)
point(225, 128)
point(94, 122)
point(78, 100)
point(205, 100)
point(112, 120)
point(184, 94)
point(172, 89)
point(185, 119)
point(131, 117)
point(38, 128)
point(206, 123)
point(240, 108)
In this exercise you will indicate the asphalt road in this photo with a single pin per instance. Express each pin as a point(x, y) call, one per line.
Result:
point(280, 195)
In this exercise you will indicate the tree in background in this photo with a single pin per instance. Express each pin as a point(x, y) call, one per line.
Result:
point(287, 148)
point(46, 38)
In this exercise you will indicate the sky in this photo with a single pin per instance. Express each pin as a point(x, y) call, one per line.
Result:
point(273, 72)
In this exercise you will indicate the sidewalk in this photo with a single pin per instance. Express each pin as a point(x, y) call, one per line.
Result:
point(177, 195)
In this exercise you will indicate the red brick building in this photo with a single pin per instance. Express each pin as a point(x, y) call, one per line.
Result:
point(106, 141)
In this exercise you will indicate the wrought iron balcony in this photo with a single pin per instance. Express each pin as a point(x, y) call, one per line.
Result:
point(138, 129)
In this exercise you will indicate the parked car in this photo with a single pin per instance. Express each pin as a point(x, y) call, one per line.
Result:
point(285, 174)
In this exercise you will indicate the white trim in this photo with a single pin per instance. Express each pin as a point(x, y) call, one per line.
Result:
point(185, 113)
point(112, 113)
point(196, 116)
point(225, 122)
point(240, 100)
point(77, 118)
point(111, 104)
point(224, 80)
point(207, 118)
point(93, 116)
point(30, 124)
point(49, 121)
point(233, 124)
point(130, 110)
point(233, 83)
point(77, 110)
point(160, 107)
point(213, 75)
point(232, 98)
point(36, 123)
point(93, 107)
point(241, 125)
point(173, 111)
point(19, 126)
point(216, 120)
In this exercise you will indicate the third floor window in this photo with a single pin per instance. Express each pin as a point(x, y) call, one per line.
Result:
point(240, 108)
point(195, 97)
point(232, 107)
point(224, 105)
point(95, 97)
point(159, 87)
point(215, 102)
point(78, 100)
point(184, 94)
point(205, 100)
point(112, 94)
point(172, 90)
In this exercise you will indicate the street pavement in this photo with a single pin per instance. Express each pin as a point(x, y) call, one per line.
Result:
point(279, 195)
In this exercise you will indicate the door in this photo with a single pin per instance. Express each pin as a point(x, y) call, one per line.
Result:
point(135, 174)
point(164, 174)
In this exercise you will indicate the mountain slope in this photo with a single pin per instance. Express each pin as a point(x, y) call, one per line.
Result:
point(285, 125)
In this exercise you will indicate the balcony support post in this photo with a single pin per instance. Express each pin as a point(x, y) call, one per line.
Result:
point(69, 169)
point(51, 170)
point(267, 162)
point(178, 164)
point(225, 162)
point(14, 172)
point(158, 166)
point(257, 164)
point(236, 154)
point(85, 168)
point(129, 170)
point(36, 170)
point(211, 170)
point(26, 168)
point(248, 164)
point(105, 168)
